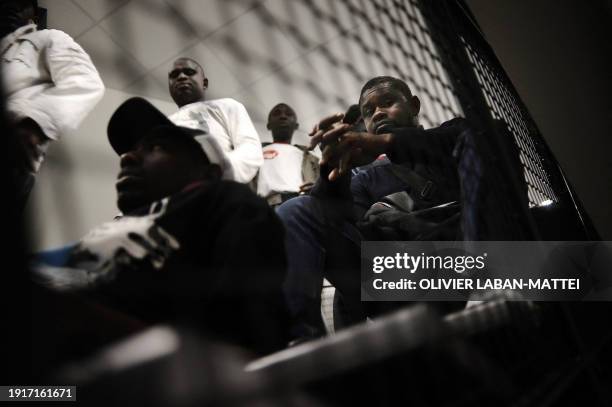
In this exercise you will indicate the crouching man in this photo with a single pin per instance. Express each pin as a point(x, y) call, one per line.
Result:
point(191, 248)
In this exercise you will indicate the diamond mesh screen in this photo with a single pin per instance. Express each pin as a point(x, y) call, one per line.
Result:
point(365, 38)
point(504, 106)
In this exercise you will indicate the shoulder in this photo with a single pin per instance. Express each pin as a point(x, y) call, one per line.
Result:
point(235, 194)
point(219, 200)
point(307, 152)
point(456, 123)
point(238, 203)
point(225, 103)
point(186, 110)
point(300, 147)
point(56, 34)
point(53, 37)
point(192, 106)
point(226, 107)
point(448, 130)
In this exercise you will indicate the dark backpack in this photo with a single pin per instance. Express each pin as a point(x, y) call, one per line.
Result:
point(425, 212)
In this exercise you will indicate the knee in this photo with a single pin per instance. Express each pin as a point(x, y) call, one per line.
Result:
point(297, 210)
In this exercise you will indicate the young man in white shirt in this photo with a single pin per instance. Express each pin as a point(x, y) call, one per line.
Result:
point(225, 119)
point(49, 82)
point(288, 170)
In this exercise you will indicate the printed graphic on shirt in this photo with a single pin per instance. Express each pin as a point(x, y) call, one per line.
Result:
point(269, 154)
point(281, 171)
point(127, 243)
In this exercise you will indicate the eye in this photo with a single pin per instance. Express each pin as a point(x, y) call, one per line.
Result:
point(150, 147)
point(173, 74)
point(189, 71)
point(386, 102)
point(154, 145)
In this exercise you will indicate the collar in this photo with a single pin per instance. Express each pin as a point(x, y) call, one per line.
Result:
point(188, 105)
point(193, 185)
point(9, 39)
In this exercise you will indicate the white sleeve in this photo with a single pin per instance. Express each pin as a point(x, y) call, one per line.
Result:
point(246, 157)
point(77, 88)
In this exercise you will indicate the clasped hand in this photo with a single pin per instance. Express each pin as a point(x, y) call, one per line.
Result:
point(343, 148)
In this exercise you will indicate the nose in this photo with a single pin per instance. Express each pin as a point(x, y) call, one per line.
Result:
point(379, 115)
point(129, 159)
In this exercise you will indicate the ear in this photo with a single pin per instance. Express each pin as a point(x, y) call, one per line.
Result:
point(268, 126)
point(205, 83)
point(415, 105)
point(296, 125)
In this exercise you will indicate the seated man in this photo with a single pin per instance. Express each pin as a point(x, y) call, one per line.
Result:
point(288, 170)
point(419, 172)
point(225, 119)
point(190, 247)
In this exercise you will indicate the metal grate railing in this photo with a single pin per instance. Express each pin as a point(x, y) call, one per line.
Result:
point(504, 106)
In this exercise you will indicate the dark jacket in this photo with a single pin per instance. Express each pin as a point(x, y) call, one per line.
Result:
point(210, 257)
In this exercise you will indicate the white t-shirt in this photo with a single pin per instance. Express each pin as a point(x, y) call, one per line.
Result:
point(281, 170)
point(228, 121)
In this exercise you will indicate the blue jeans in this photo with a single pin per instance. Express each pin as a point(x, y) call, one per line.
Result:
point(319, 242)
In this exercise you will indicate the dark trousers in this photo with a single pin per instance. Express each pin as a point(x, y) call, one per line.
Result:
point(319, 244)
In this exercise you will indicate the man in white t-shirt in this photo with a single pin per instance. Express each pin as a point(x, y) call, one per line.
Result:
point(225, 119)
point(288, 170)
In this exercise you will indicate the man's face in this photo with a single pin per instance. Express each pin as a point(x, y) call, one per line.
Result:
point(384, 107)
point(158, 166)
point(15, 14)
point(282, 122)
point(186, 82)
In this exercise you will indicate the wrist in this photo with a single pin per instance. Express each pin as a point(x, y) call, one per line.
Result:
point(33, 130)
point(387, 141)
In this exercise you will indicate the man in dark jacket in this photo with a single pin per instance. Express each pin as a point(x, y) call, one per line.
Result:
point(405, 165)
point(190, 248)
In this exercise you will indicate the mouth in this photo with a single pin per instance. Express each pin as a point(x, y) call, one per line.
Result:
point(384, 126)
point(127, 182)
point(183, 86)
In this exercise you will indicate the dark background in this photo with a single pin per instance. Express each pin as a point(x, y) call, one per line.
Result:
point(558, 55)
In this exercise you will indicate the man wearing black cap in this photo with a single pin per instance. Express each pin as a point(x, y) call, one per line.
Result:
point(191, 247)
